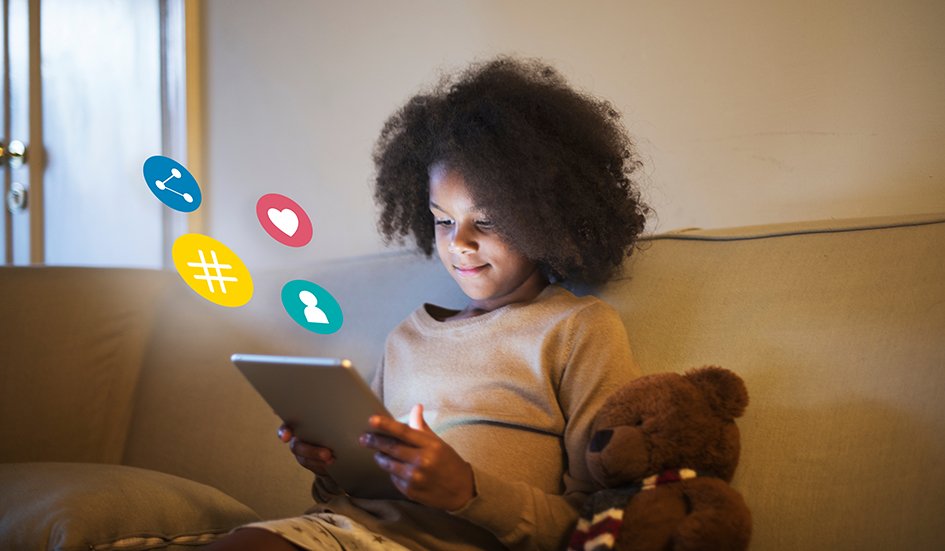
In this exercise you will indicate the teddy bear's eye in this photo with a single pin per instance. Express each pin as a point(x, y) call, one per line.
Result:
point(638, 423)
point(600, 440)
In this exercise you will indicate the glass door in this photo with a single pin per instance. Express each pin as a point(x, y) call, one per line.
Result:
point(94, 90)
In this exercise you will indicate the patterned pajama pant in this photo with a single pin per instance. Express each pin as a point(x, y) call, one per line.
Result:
point(321, 531)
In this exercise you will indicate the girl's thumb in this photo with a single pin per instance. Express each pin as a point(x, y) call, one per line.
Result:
point(416, 418)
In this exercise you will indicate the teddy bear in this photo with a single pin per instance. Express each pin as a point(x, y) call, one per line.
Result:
point(665, 447)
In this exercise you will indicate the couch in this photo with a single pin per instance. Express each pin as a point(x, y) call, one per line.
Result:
point(123, 424)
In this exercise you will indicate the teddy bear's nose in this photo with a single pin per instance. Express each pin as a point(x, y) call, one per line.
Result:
point(600, 440)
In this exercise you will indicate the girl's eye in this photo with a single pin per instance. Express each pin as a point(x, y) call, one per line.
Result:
point(443, 222)
point(485, 224)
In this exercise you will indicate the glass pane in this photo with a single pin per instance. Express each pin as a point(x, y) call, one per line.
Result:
point(18, 25)
point(4, 131)
point(101, 120)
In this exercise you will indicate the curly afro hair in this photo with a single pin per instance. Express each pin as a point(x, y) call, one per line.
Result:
point(549, 165)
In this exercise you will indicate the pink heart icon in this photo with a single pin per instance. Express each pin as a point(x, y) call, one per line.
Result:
point(284, 220)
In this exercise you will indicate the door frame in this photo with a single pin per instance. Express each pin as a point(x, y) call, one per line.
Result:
point(182, 107)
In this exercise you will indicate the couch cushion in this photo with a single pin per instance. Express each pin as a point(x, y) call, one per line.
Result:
point(82, 506)
point(73, 344)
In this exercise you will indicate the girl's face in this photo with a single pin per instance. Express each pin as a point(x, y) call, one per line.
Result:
point(490, 272)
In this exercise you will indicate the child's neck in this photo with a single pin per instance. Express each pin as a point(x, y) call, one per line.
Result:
point(477, 308)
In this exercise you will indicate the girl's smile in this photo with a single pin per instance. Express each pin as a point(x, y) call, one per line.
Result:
point(487, 269)
point(469, 271)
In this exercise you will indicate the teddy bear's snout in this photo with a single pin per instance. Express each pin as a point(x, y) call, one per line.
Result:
point(600, 439)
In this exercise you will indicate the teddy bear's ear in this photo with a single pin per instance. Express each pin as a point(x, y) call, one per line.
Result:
point(724, 390)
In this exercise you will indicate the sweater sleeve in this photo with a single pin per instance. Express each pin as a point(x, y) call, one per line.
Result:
point(596, 361)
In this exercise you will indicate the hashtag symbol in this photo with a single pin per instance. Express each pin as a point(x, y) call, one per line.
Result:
point(206, 272)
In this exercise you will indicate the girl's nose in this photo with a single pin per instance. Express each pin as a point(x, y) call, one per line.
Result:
point(458, 248)
point(460, 243)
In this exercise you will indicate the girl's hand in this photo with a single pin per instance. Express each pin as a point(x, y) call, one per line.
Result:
point(422, 466)
point(312, 457)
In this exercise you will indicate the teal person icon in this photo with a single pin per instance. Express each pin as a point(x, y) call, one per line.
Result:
point(312, 307)
point(313, 314)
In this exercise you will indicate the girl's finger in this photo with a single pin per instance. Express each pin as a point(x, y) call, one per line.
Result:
point(284, 433)
point(317, 453)
point(398, 430)
point(404, 472)
point(316, 467)
point(391, 447)
point(403, 485)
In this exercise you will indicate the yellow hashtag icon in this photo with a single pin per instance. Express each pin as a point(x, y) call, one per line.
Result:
point(223, 280)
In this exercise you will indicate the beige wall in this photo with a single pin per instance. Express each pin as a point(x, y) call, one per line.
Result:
point(746, 112)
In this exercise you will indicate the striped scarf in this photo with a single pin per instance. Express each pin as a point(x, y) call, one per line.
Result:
point(602, 515)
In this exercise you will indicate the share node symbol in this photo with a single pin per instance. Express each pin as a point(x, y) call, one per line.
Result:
point(162, 185)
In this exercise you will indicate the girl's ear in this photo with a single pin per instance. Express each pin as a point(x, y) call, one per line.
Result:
point(724, 390)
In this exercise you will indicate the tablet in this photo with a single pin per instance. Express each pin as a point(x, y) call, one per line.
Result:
point(326, 402)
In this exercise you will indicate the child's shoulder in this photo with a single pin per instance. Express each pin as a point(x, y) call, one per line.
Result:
point(565, 298)
point(557, 302)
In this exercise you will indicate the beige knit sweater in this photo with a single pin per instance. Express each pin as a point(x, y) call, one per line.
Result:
point(514, 392)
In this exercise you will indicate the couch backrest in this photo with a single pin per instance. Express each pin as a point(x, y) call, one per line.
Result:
point(838, 330)
point(71, 347)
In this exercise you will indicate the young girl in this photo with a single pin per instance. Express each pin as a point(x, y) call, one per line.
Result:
point(520, 184)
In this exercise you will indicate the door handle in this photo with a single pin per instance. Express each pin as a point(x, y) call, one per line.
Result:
point(17, 198)
point(13, 153)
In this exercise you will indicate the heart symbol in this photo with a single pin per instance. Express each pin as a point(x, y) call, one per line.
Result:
point(285, 219)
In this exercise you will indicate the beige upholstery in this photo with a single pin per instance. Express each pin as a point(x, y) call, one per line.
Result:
point(838, 329)
point(72, 343)
point(840, 338)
